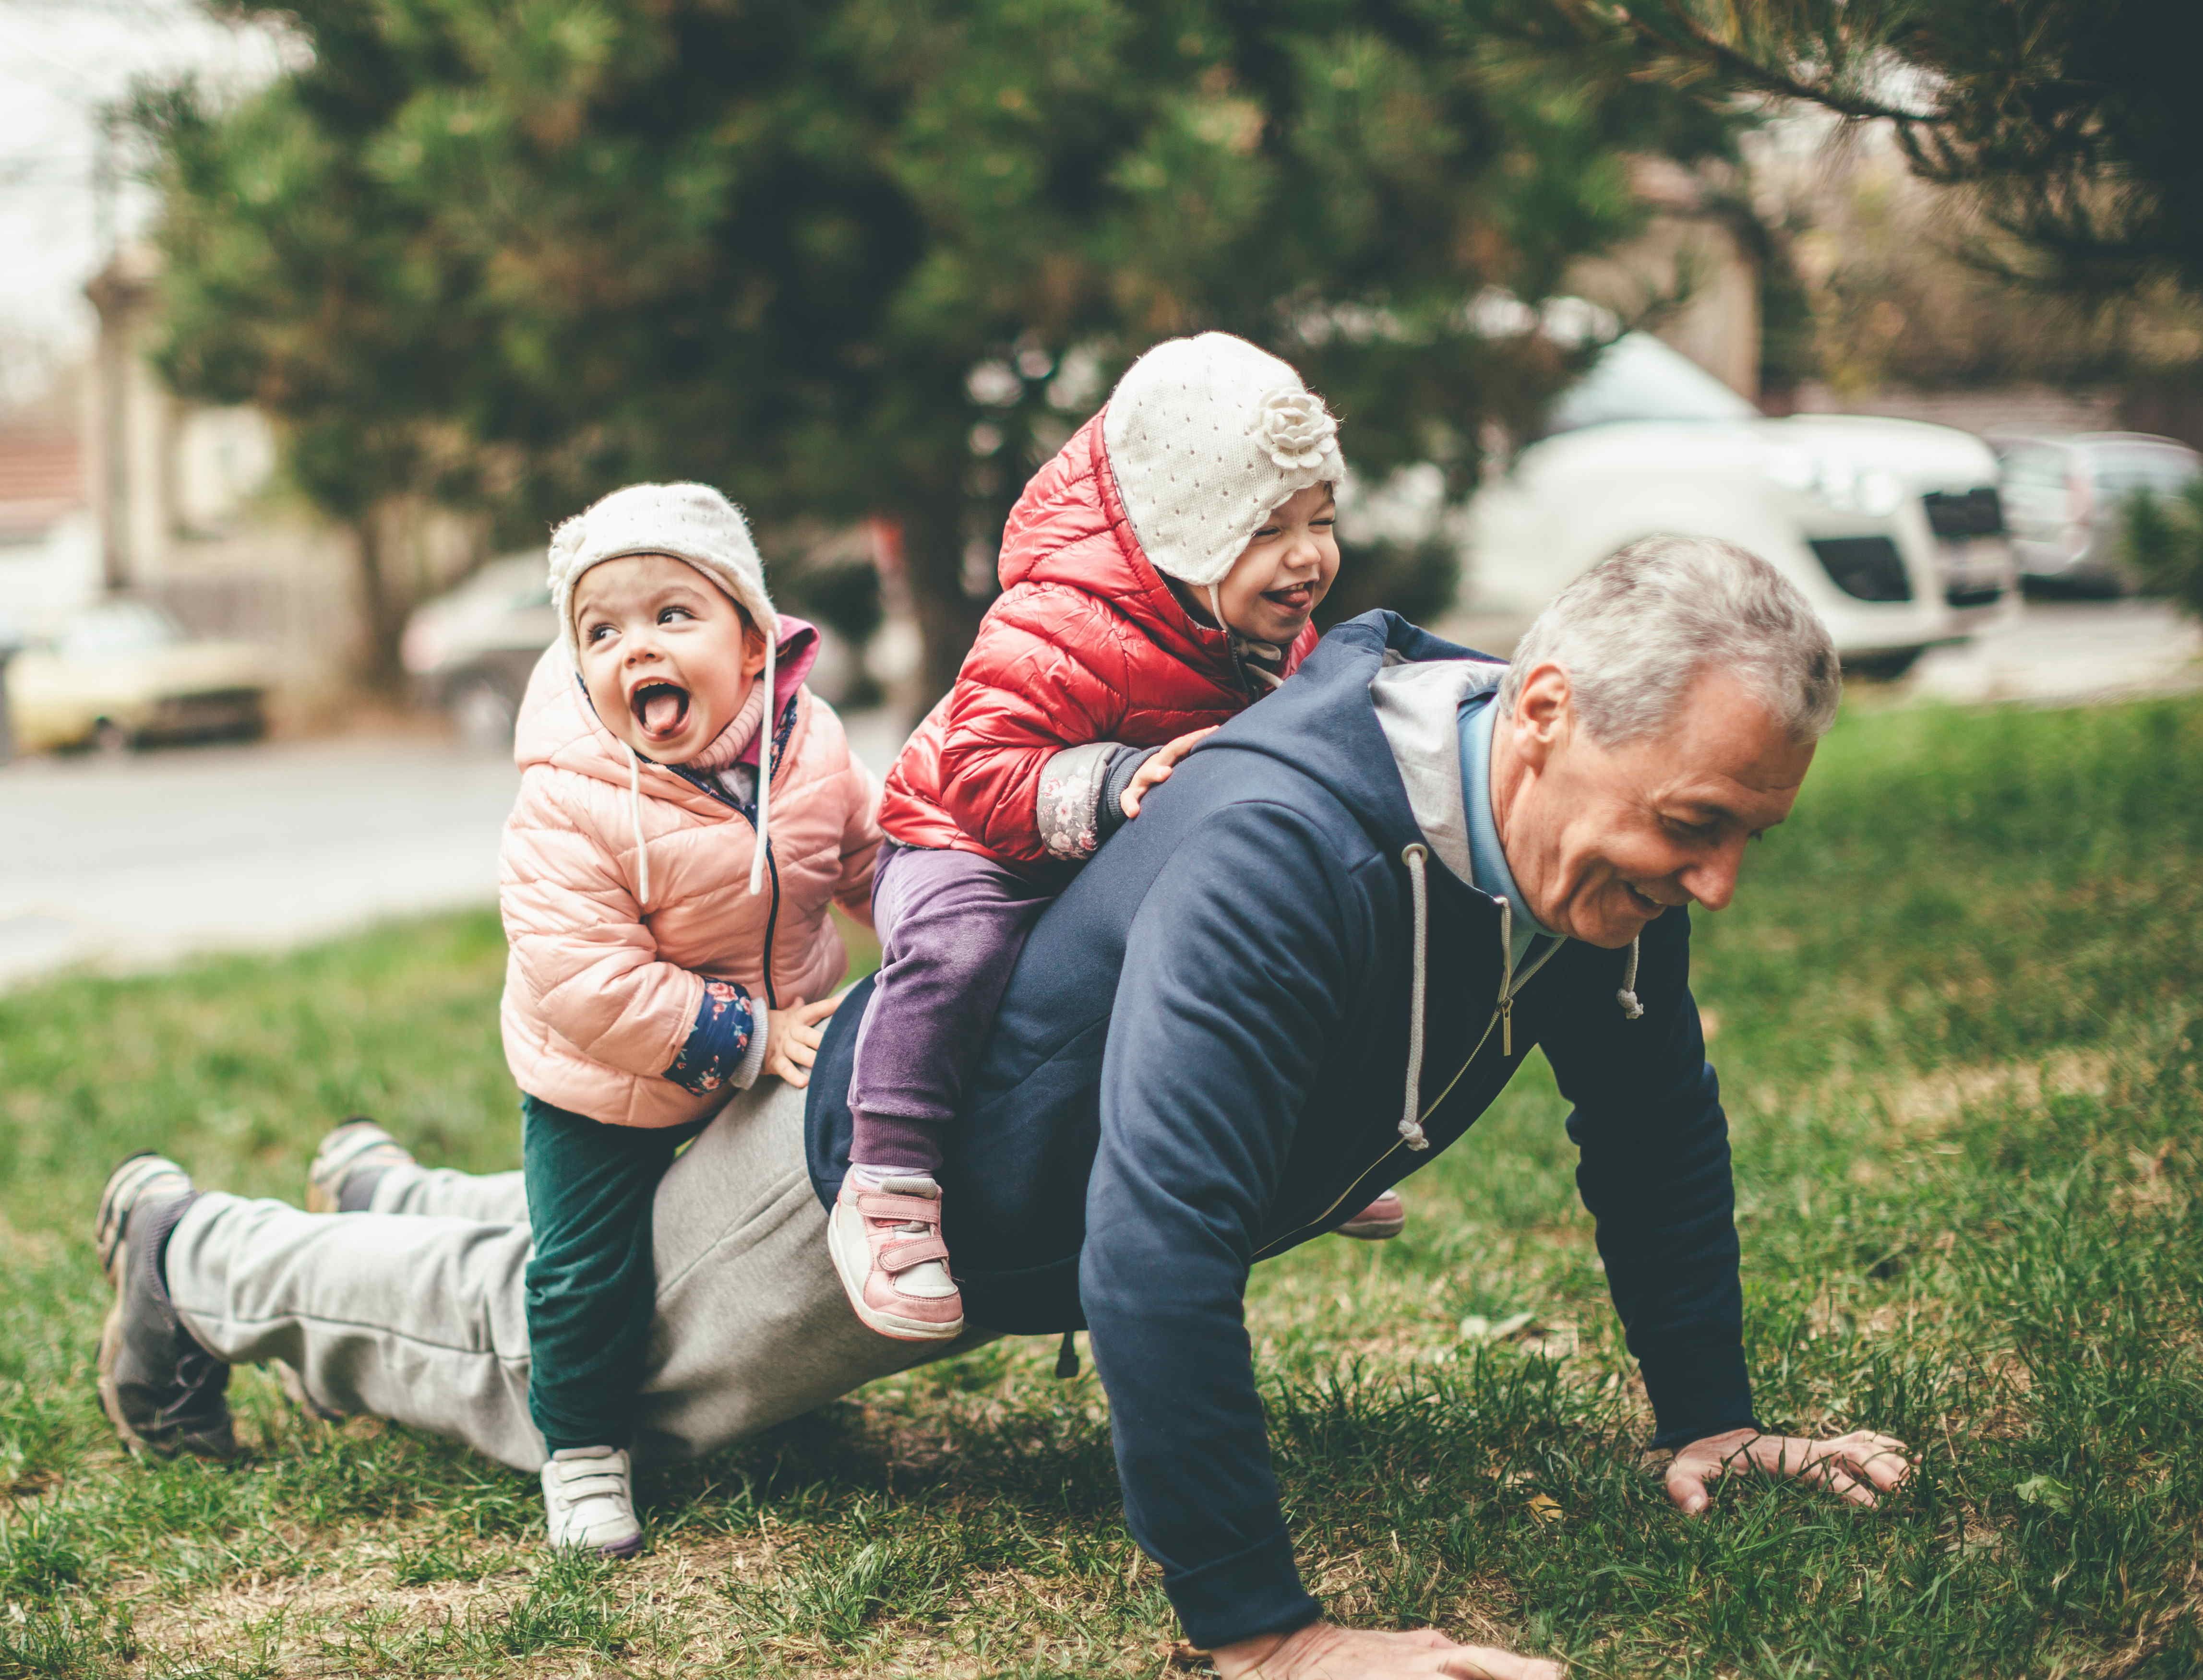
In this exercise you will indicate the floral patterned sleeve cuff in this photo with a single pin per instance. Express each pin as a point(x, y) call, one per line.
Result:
point(718, 1051)
point(1078, 808)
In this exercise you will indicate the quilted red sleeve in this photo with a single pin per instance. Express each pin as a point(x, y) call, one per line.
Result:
point(1049, 670)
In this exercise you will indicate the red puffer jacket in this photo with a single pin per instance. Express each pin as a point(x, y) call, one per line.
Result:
point(1086, 643)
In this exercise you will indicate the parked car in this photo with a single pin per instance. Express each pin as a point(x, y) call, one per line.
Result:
point(2066, 494)
point(1894, 530)
point(122, 674)
point(470, 651)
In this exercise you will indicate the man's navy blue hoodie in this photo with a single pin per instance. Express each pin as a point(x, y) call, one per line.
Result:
point(1200, 1063)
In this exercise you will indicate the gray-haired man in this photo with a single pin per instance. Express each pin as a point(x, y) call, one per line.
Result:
point(1310, 965)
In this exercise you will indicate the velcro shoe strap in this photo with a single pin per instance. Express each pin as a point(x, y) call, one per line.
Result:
point(896, 1257)
point(880, 1205)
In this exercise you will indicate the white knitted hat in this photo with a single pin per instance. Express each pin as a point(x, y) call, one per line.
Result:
point(692, 522)
point(1207, 436)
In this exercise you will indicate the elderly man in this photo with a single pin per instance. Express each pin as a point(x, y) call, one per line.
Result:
point(1308, 967)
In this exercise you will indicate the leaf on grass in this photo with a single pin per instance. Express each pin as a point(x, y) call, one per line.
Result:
point(1476, 1328)
point(1545, 1507)
point(2046, 1491)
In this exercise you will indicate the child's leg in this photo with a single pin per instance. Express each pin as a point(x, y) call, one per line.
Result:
point(951, 924)
point(590, 1285)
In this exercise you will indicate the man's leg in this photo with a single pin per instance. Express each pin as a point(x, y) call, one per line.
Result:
point(416, 1319)
point(491, 1198)
point(360, 1168)
point(421, 1319)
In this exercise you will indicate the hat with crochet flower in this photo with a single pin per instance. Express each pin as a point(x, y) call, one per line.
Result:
point(1207, 437)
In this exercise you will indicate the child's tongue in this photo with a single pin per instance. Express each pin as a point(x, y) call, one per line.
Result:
point(661, 711)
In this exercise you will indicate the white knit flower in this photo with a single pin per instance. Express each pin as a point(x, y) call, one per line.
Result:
point(1293, 427)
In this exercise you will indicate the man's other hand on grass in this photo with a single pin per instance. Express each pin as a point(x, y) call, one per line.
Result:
point(1860, 1466)
point(1322, 1651)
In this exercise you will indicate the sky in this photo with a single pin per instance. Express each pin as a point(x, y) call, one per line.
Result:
point(62, 62)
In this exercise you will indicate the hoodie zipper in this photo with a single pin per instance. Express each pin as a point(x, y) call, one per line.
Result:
point(1503, 1014)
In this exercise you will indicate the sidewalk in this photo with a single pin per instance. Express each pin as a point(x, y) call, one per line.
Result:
point(130, 863)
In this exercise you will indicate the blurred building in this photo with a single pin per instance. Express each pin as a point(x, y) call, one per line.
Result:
point(183, 506)
point(49, 534)
point(1693, 275)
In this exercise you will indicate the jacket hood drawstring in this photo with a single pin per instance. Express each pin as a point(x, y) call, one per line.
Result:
point(1254, 676)
point(769, 727)
point(1411, 1124)
point(635, 817)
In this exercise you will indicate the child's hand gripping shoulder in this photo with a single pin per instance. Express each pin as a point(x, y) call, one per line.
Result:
point(1158, 768)
point(791, 1037)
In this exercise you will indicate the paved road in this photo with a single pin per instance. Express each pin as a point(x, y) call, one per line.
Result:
point(2052, 652)
point(131, 863)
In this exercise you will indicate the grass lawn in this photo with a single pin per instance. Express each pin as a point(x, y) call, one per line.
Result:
point(1958, 1010)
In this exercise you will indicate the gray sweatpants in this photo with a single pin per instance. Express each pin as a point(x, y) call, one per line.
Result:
point(413, 1311)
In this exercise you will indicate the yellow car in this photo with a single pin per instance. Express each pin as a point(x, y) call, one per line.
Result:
point(122, 674)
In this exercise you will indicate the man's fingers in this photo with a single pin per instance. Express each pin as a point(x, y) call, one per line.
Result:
point(1686, 1488)
point(1483, 1662)
point(1831, 1475)
point(1881, 1465)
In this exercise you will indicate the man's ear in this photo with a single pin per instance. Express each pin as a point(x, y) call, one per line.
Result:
point(1544, 713)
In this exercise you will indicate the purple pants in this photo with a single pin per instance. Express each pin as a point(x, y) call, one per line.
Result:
point(951, 924)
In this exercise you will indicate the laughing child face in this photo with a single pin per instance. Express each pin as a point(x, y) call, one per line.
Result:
point(667, 658)
point(1279, 578)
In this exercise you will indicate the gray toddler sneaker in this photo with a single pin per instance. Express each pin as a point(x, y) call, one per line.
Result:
point(164, 1394)
point(352, 1157)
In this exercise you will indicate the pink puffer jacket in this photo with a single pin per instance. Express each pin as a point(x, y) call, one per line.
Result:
point(609, 1006)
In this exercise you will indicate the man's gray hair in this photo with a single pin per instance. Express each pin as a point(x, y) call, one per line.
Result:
point(1635, 631)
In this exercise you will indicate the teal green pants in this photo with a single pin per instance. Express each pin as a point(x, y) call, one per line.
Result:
point(591, 1285)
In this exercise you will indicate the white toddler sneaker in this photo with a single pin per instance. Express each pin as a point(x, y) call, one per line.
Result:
point(589, 1501)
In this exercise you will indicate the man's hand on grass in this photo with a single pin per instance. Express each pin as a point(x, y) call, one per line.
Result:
point(1859, 1466)
point(1323, 1651)
point(1157, 769)
point(791, 1035)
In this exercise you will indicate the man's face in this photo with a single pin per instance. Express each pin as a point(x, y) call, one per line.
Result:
point(1601, 839)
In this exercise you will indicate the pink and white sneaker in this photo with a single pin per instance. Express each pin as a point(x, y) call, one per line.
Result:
point(1384, 1218)
point(884, 1235)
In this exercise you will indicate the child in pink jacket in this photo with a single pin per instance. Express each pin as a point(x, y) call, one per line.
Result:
point(687, 813)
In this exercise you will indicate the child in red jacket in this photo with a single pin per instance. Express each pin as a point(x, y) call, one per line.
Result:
point(1158, 577)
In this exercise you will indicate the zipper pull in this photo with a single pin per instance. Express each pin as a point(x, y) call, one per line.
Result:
point(1507, 1027)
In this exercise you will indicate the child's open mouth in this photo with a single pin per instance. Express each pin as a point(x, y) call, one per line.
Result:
point(1297, 598)
point(661, 708)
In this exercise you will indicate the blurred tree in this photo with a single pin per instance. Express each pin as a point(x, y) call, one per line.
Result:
point(2072, 122)
point(873, 256)
point(2164, 538)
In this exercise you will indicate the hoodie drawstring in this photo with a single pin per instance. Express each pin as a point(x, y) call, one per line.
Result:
point(771, 727)
point(634, 816)
point(1411, 1125)
point(1627, 997)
